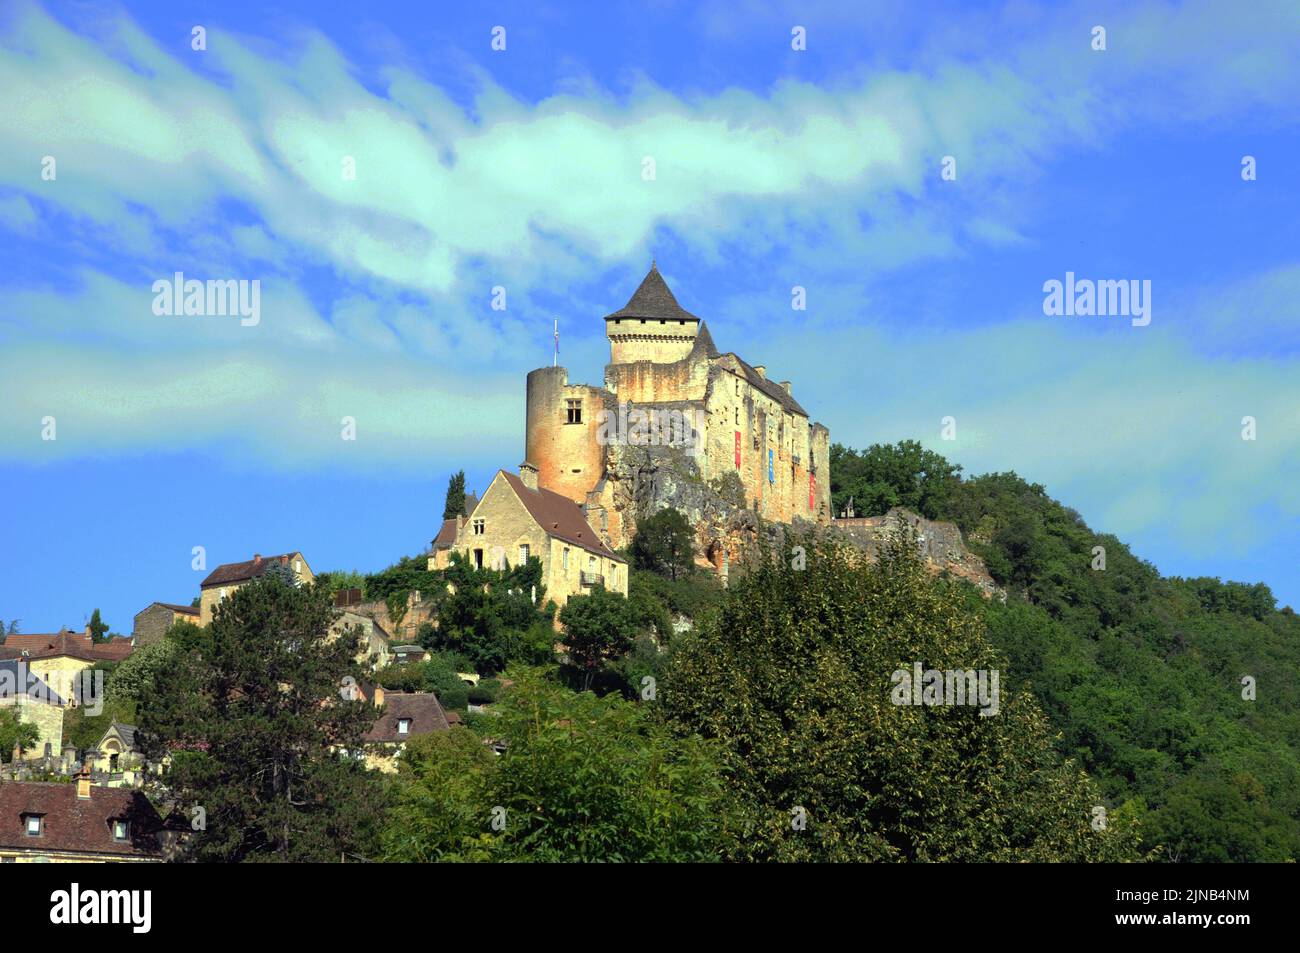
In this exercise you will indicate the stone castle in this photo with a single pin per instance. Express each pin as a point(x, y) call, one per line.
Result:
point(735, 443)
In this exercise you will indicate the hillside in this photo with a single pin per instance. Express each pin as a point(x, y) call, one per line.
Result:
point(1141, 674)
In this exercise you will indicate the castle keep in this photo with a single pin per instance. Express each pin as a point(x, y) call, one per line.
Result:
point(674, 415)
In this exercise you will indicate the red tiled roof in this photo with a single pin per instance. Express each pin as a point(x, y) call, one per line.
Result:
point(66, 644)
point(559, 516)
point(70, 823)
point(242, 572)
point(446, 535)
point(35, 641)
point(422, 708)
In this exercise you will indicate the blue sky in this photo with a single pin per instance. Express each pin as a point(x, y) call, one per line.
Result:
point(522, 168)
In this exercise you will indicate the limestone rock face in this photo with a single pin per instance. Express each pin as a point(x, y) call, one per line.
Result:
point(941, 544)
point(641, 481)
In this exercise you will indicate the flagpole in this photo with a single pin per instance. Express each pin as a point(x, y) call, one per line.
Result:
point(555, 358)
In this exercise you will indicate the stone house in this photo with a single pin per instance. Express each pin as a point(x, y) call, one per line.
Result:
point(152, 622)
point(36, 704)
point(516, 520)
point(376, 650)
point(59, 658)
point(77, 823)
point(226, 578)
point(406, 715)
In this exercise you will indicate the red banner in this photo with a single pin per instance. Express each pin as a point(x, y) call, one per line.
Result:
point(737, 449)
point(812, 490)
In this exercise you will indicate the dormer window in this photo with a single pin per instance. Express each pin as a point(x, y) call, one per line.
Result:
point(121, 830)
point(403, 726)
point(33, 824)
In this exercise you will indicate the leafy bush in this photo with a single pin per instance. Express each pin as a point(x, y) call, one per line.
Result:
point(793, 679)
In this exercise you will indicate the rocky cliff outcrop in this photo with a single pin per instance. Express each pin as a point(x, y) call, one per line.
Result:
point(641, 481)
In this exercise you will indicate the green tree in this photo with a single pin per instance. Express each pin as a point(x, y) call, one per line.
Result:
point(664, 544)
point(884, 476)
point(15, 732)
point(597, 629)
point(794, 679)
point(97, 627)
point(441, 810)
point(489, 616)
point(581, 779)
point(455, 503)
point(253, 718)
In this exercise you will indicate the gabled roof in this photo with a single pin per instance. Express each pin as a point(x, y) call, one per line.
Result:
point(653, 299)
point(175, 607)
point(66, 645)
point(125, 732)
point(559, 516)
point(423, 710)
point(18, 680)
point(34, 641)
point(70, 823)
point(770, 388)
point(242, 572)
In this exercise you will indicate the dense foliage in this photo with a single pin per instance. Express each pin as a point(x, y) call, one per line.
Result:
point(1141, 675)
point(664, 543)
point(580, 778)
point(14, 732)
point(793, 678)
point(598, 628)
point(253, 718)
point(882, 476)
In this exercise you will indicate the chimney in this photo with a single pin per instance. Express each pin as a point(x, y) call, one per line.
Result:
point(89, 633)
point(257, 558)
point(83, 784)
point(786, 385)
point(528, 474)
point(762, 371)
point(379, 694)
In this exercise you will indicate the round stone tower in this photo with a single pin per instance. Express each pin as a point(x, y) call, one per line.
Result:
point(563, 420)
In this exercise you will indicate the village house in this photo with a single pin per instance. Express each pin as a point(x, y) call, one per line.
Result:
point(406, 715)
point(77, 823)
point(152, 622)
point(516, 520)
point(118, 757)
point(36, 704)
point(59, 658)
point(226, 578)
point(375, 651)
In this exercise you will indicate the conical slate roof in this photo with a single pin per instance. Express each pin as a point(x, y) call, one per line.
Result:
point(704, 342)
point(654, 300)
